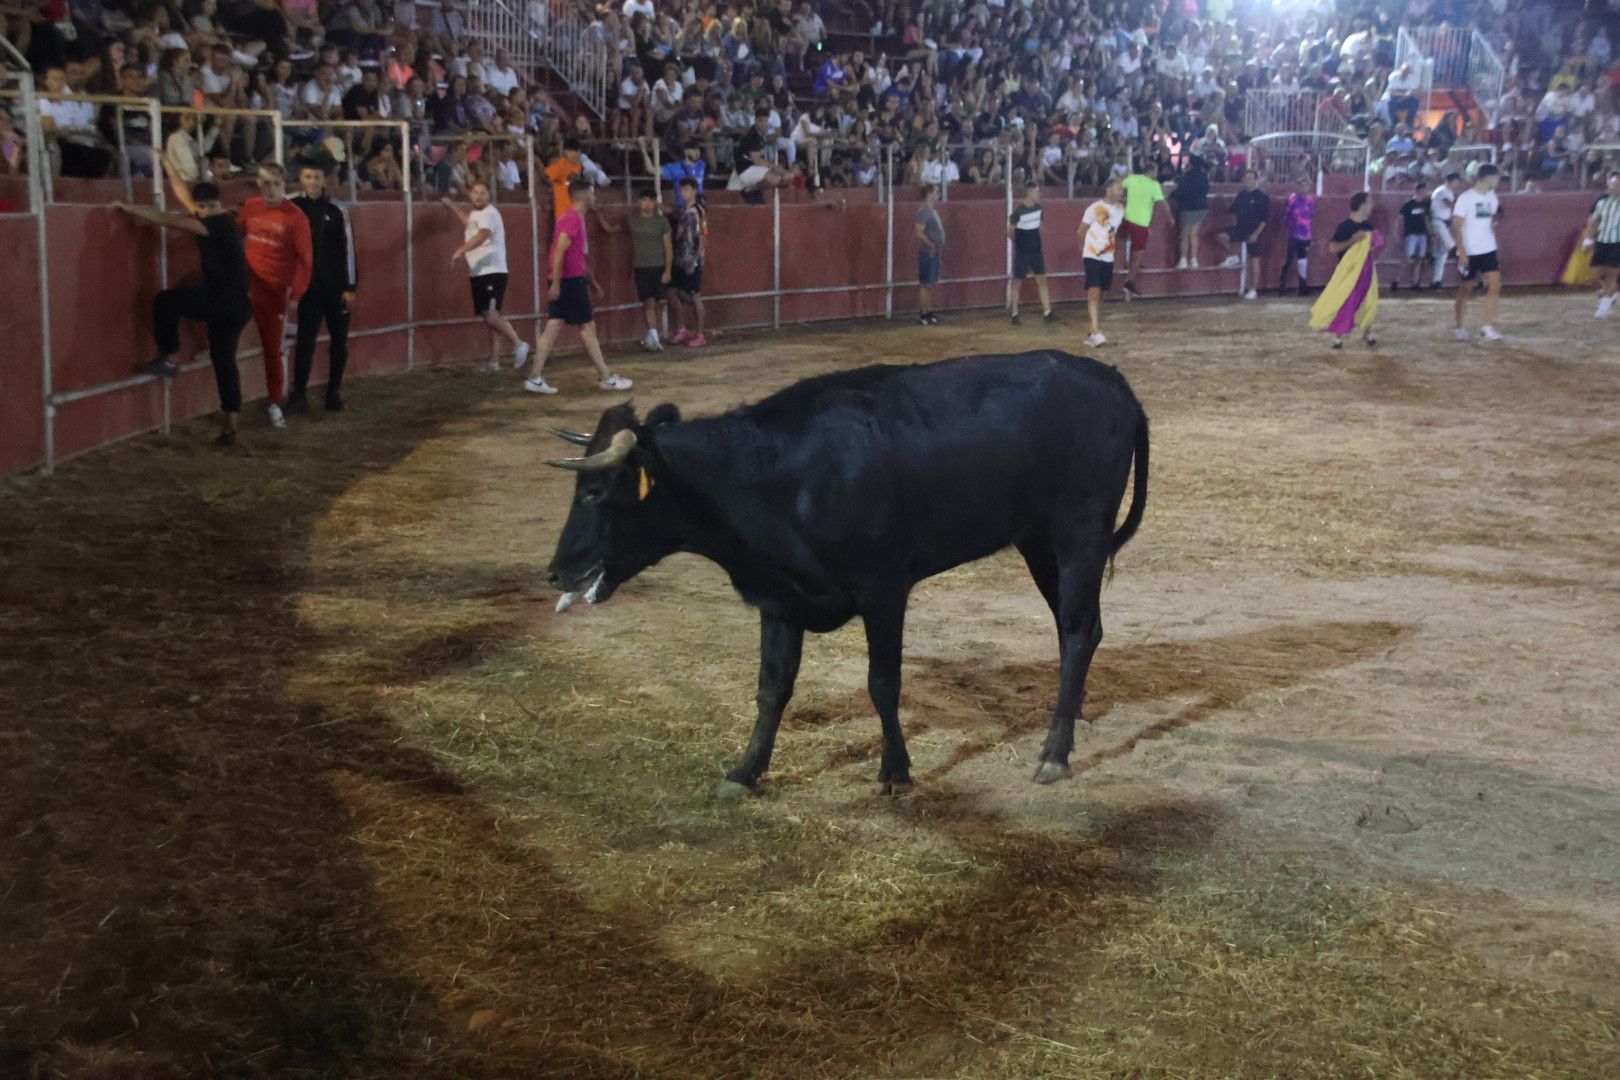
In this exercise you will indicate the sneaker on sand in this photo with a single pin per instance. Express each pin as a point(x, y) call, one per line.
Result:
point(1489, 334)
point(1251, 295)
point(1130, 289)
point(696, 341)
point(520, 357)
point(276, 419)
point(1096, 339)
point(680, 336)
point(1460, 334)
point(538, 385)
point(1050, 316)
point(1605, 305)
point(296, 405)
point(1232, 262)
point(491, 366)
point(651, 343)
point(615, 382)
point(1016, 321)
point(933, 318)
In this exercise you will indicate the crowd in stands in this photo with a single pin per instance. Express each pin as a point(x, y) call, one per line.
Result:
point(778, 92)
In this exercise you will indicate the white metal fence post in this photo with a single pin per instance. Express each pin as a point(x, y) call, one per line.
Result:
point(534, 229)
point(776, 258)
point(888, 246)
point(410, 245)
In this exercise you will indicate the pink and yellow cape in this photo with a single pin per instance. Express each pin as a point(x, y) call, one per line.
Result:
point(1350, 300)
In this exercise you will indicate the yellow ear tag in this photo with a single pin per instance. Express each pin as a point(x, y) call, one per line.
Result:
point(646, 483)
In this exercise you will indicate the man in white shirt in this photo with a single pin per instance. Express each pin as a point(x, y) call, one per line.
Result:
point(634, 104)
point(1171, 64)
point(633, 8)
point(224, 86)
point(501, 75)
point(1400, 102)
point(483, 246)
point(1442, 202)
point(1473, 224)
point(1129, 64)
point(1098, 229)
point(321, 99)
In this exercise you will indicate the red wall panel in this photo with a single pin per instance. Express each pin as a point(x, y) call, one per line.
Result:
point(22, 408)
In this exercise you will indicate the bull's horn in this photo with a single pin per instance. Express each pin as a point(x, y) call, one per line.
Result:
point(617, 451)
point(575, 437)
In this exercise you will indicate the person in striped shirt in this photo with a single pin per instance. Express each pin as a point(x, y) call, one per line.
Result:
point(1024, 228)
point(1603, 237)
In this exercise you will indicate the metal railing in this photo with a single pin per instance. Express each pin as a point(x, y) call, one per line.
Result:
point(1285, 156)
point(1409, 52)
point(535, 34)
point(1486, 76)
point(1267, 112)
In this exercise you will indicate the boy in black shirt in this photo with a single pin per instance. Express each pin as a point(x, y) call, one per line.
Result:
point(1415, 227)
point(219, 301)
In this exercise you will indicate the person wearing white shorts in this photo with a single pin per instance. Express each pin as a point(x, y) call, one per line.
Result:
point(1441, 242)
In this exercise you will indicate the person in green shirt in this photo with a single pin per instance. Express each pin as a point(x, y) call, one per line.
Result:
point(1024, 228)
point(1142, 193)
point(654, 254)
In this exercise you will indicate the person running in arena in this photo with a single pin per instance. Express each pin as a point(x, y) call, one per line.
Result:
point(483, 245)
point(1142, 193)
point(1350, 300)
point(1298, 216)
point(1099, 230)
point(219, 301)
point(275, 235)
point(1603, 237)
point(330, 294)
point(691, 247)
point(1473, 226)
point(1415, 231)
point(1251, 211)
point(930, 246)
point(1024, 227)
point(652, 260)
point(1441, 241)
point(569, 295)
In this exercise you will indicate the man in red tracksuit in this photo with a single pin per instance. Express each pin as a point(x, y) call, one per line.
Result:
point(275, 235)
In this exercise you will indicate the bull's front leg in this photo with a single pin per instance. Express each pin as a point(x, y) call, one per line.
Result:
point(780, 646)
point(885, 628)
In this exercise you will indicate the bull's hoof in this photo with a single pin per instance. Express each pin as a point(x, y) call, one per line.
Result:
point(729, 790)
point(894, 787)
point(1050, 772)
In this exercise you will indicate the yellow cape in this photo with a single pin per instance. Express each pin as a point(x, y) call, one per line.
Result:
point(1343, 283)
point(1578, 271)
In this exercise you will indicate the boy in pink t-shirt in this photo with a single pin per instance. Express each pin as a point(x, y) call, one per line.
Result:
point(570, 293)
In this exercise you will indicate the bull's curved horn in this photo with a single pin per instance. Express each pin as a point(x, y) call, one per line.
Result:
point(575, 437)
point(616, 453)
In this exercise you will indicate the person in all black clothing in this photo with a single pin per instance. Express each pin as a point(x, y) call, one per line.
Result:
point(330, 293)
point(1251, 211)
point(220, 300)
point(1415, 228)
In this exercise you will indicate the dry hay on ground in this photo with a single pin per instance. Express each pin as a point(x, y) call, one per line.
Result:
point(304, 777)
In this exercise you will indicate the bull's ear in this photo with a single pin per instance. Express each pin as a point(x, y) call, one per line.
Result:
point(664, 414)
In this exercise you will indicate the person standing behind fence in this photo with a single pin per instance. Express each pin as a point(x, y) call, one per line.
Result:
point(1603, 236)
point(1099, 233)
point(930, 247)
point(653, 258)
point(484, 247)
point(691, 247)
point(569, 294)
point(1298, 216)
point(275, 234)
point(330, 294)
point(219, 301)
point(1024, 227)
point(1142, 193)
point(1441, 203)
point(1473, 225)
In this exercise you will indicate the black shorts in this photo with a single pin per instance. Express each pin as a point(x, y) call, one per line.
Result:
point(1479, 265)
point(1099, 274)
point(1257, 248)
point(488, 291)
point(1606, 255)
point(688, 282)
point(649, 283)
point(573, 303)
point(1028, 258)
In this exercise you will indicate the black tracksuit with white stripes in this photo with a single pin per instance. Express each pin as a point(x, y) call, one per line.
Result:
point(332, 238)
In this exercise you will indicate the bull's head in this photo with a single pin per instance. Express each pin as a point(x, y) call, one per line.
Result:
point(614, 530)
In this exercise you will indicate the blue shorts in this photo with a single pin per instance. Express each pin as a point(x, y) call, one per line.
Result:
point(927, 268)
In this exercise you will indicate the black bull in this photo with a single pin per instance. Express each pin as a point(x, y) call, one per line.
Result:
point(832, 498)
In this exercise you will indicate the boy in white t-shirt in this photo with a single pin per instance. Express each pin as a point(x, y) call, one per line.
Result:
point(484, 247)
point(1098, 230)
point(1473, 225)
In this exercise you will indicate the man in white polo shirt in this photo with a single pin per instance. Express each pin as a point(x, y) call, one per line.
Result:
point(1473, 225)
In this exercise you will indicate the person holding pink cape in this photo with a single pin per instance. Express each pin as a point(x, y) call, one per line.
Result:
point(1350, 300)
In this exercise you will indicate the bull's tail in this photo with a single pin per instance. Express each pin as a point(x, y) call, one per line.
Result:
point(1133, 516)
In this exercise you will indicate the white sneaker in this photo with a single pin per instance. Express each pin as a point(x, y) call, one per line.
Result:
point(520, 357)
point(651, 343)
point(538, 385)
point(1096, 339)
point(1489, 334)
point(1605, 305)
point(1232, 262)
point(1460, 334)
point(615, 382)
point(1195, 262)
point(276, 419)
point(1251, 295)
point(491, 366)
point(1182, 265)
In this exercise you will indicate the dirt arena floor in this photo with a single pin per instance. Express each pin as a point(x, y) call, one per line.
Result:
point(301, 775)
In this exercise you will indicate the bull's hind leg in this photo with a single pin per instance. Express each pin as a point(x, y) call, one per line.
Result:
point(1079, 619)
point(780, 646)
point(885, 629)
